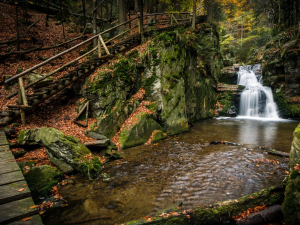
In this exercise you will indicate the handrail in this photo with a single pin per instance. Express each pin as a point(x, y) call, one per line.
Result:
point(80, 44)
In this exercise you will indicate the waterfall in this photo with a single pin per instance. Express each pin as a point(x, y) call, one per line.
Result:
point(256, 99)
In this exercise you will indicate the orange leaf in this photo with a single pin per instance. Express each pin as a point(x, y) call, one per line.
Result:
point(22, 189)
point(188, 216)
point(34, 206)
point(27, 218)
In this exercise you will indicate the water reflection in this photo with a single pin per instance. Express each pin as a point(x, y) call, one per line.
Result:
point(151, 178)
point(257, 132)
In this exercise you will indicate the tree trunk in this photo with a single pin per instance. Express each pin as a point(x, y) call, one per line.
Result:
point(122, 14)
point(279, 18)
point(141, 21)
point(84, 17)
point(194, 15)
point(136, 5)
point(150, 6)
point(62, 23)
point(17, 26)
point(47, 16)
point(95, 41)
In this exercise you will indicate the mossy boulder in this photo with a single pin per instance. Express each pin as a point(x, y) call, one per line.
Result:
point(295, 150)
point(138, 133)
point(158, 136)
point(26, 137)
point(291, 204)
point(64, 167)
point(23, 164)
point(66, 148)
point(41, 179)
point(111, 121)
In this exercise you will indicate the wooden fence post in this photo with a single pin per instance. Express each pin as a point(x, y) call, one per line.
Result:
point(99, 47)
point(103, 44)
point(22, 100)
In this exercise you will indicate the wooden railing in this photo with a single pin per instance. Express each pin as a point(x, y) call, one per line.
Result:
point(158, 18)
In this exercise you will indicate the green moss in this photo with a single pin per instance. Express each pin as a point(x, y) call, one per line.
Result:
point(90, 168)
point(138, 133)
point(159, 136)
point(220, 212)
point(297, 132)
point(291, 205)
point(41, 179)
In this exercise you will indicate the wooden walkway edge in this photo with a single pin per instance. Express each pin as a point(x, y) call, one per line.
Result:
point(15, 196)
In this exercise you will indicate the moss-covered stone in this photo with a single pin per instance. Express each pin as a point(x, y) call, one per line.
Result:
point(295, 149)
point(158, 136)
point(26, 137)
point(23, 164)
point(66, 148)
point(138, 133)
point(291, 204)
point(41, 179)
point(220, 212)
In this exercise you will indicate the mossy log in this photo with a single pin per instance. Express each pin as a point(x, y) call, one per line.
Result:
point(217, 213)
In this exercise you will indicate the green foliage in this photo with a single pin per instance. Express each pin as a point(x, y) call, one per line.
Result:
point(289, 109)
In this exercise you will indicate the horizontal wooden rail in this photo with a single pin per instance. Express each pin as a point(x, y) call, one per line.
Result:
point(52, 72)
point(80, 44)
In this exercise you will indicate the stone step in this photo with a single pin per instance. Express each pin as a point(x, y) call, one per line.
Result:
point(16, 210)
point(8, 178)
point(14, 191)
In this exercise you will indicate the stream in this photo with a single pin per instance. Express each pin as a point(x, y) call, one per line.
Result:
point(183, 167)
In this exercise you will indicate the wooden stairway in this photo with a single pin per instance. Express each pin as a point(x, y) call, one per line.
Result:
point(28, 101)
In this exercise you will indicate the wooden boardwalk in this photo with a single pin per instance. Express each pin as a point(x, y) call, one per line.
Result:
point(15, 196)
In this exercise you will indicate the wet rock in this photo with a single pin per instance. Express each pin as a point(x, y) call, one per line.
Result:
point(97, 136)
point(106, 178)
point(112, 205)
point(98, 144)
point(66, 148)
point(139, 133)
point(41, 179)
point(64, 167)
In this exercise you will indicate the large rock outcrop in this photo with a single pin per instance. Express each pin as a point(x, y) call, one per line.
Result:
point(178, 71)
point(66, 148)
point(291, 205)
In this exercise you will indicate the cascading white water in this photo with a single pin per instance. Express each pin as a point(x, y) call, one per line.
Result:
point(256, 100)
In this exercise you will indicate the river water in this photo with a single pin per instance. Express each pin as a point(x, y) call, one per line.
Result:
point(183, 167)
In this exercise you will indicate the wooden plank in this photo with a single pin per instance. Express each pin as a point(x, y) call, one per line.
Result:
point(10, 192)
point(4, 148)
point(8, 167)
point(6, 155)
point(36, 220)
point(16, 210)
point(3, 141)
point(8, 178)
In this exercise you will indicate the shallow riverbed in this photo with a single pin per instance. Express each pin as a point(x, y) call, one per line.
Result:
point(183, 167)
